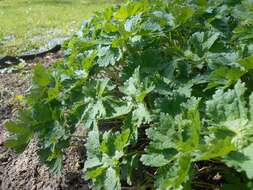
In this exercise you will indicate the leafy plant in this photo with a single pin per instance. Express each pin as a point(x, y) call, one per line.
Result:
point(160, 86)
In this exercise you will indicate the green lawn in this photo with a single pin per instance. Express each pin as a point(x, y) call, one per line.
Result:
point(27, 25)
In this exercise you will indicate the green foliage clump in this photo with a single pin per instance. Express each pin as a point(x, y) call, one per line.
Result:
point(160, 86)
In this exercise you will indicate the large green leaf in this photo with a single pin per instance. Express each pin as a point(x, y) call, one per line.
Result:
point(242, 160)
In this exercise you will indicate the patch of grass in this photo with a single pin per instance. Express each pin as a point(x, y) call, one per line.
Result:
point(27, 25)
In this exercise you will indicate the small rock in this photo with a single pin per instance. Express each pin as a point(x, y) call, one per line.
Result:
point(1, 139)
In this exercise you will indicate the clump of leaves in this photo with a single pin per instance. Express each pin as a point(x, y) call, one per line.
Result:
point(176, 78)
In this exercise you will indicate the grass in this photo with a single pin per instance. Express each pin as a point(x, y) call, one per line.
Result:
point(29, 25)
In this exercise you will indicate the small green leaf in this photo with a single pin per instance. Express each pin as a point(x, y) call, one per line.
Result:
point(19, 144)
point(107, 56)
point(18, 128)
point(94, 173)
point(173, 176)
point(158, 159)
point(41, 76)
point(112, 181)
point(122, 140)
point(242, 160)
point(247, 62)
point(121, 14)
point(217, 149)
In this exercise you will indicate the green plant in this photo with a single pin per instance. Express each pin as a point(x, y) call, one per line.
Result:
point(159, 85)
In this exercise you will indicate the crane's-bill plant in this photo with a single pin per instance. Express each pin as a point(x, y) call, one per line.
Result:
point(159, 85)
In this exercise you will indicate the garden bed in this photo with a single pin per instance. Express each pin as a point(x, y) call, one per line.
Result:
point(25, 171)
